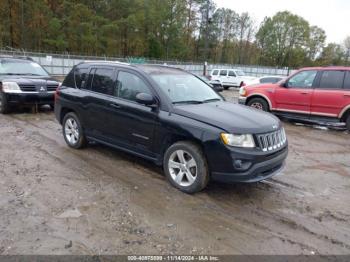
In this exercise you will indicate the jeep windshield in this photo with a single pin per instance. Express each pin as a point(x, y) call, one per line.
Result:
point(17, 67)
point(184, 88)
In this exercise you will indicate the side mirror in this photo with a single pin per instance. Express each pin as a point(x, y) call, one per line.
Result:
point(284, 84)
point(145, 99)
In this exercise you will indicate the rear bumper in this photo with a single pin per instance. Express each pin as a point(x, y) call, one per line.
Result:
point(257, 172)
point(30, 98)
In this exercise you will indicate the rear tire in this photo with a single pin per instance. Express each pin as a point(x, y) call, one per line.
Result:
point(186, 168)
point(259, 103)
point(226, 87)
point(4, 106)
point(348, 122)
point(73, 132)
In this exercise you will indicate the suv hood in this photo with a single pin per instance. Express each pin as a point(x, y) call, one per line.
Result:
point(30, 80)
point(232, 118)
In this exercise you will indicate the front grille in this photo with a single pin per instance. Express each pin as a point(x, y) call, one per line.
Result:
point(272, 141)
point(52, 87)
point(27, 88)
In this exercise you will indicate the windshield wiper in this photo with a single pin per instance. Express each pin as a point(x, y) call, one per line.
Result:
point(30, 74)
point(211, 100)
point(188, 102)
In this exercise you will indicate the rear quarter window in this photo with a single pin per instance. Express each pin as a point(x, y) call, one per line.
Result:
point(215, 72)
point(69, 80)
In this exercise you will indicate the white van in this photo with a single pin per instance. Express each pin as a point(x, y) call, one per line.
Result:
point(231, 77)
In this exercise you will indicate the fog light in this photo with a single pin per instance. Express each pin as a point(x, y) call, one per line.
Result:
point(241, 165)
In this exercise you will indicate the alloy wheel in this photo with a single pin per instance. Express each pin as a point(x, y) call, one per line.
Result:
point(71, 131)
point(257, 105)
point(183, 168)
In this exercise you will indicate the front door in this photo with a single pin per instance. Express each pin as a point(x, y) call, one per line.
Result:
point(295, 96)
point(133, 122)
point(232, 78)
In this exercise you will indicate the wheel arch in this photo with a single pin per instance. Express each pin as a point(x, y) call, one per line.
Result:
point(344, 113)
point(250, 97)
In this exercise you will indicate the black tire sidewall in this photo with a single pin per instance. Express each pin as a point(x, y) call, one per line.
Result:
point(261, 101)
point(202, 168)
point(348, 122)
point(81, 142)
point(5, 107)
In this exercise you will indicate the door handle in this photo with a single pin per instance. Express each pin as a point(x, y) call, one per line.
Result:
point(304, 93)
point(347, 95)
point(116, 106)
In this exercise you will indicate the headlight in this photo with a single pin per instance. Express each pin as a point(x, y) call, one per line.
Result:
point(242, 91)
point(9, 87)
point(246, 140)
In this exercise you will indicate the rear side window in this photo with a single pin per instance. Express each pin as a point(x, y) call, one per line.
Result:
point(223, 72)
point(332, 79)
point(215, 72)
point(103, 81)
point(231, 73)
point(347, 81)
point(81, 75)
point(69, 80)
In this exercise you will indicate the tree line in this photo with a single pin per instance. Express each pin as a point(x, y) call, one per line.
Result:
point(189, 30)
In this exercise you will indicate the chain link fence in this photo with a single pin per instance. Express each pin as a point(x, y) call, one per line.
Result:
point(61, 64)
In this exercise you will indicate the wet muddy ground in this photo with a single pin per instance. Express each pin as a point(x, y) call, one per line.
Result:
point(55, 200)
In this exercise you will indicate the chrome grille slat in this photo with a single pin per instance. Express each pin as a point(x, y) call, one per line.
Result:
point(272, 141)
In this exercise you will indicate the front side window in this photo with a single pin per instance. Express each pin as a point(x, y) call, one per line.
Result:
point(103, 81)
point(231, 73)
point(215, 72)
point(303, 79)
point(18, 67)
point(223, 72)
point(332, 79)
point(182, 87)
point(130, 85)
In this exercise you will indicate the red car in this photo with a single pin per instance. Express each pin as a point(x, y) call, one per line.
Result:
point(318, 94)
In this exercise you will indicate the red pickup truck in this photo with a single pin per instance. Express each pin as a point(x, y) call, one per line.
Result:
point(316, 94)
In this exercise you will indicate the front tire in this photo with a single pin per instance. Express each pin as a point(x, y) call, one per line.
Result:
point(259, 103)
point(4, 106)
point(186, 167)
point(73, 132)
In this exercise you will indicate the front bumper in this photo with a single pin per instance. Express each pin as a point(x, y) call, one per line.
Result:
point(30, 98)
point(242, 100)
point(259, 170)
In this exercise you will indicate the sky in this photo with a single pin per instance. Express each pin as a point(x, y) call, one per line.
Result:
point(333, 16)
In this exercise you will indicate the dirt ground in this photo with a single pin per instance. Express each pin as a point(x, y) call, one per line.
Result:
point(55, 200)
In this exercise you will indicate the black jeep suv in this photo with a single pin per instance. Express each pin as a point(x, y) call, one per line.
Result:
point(173, 118)
point(23, 82)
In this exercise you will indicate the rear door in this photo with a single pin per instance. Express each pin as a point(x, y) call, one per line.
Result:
point(223, 77)
point(328, 98)
point(100, 88)
point(295, 96)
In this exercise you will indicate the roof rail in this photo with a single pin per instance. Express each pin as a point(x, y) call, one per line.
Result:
point(17, 57)
point(105, 61)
